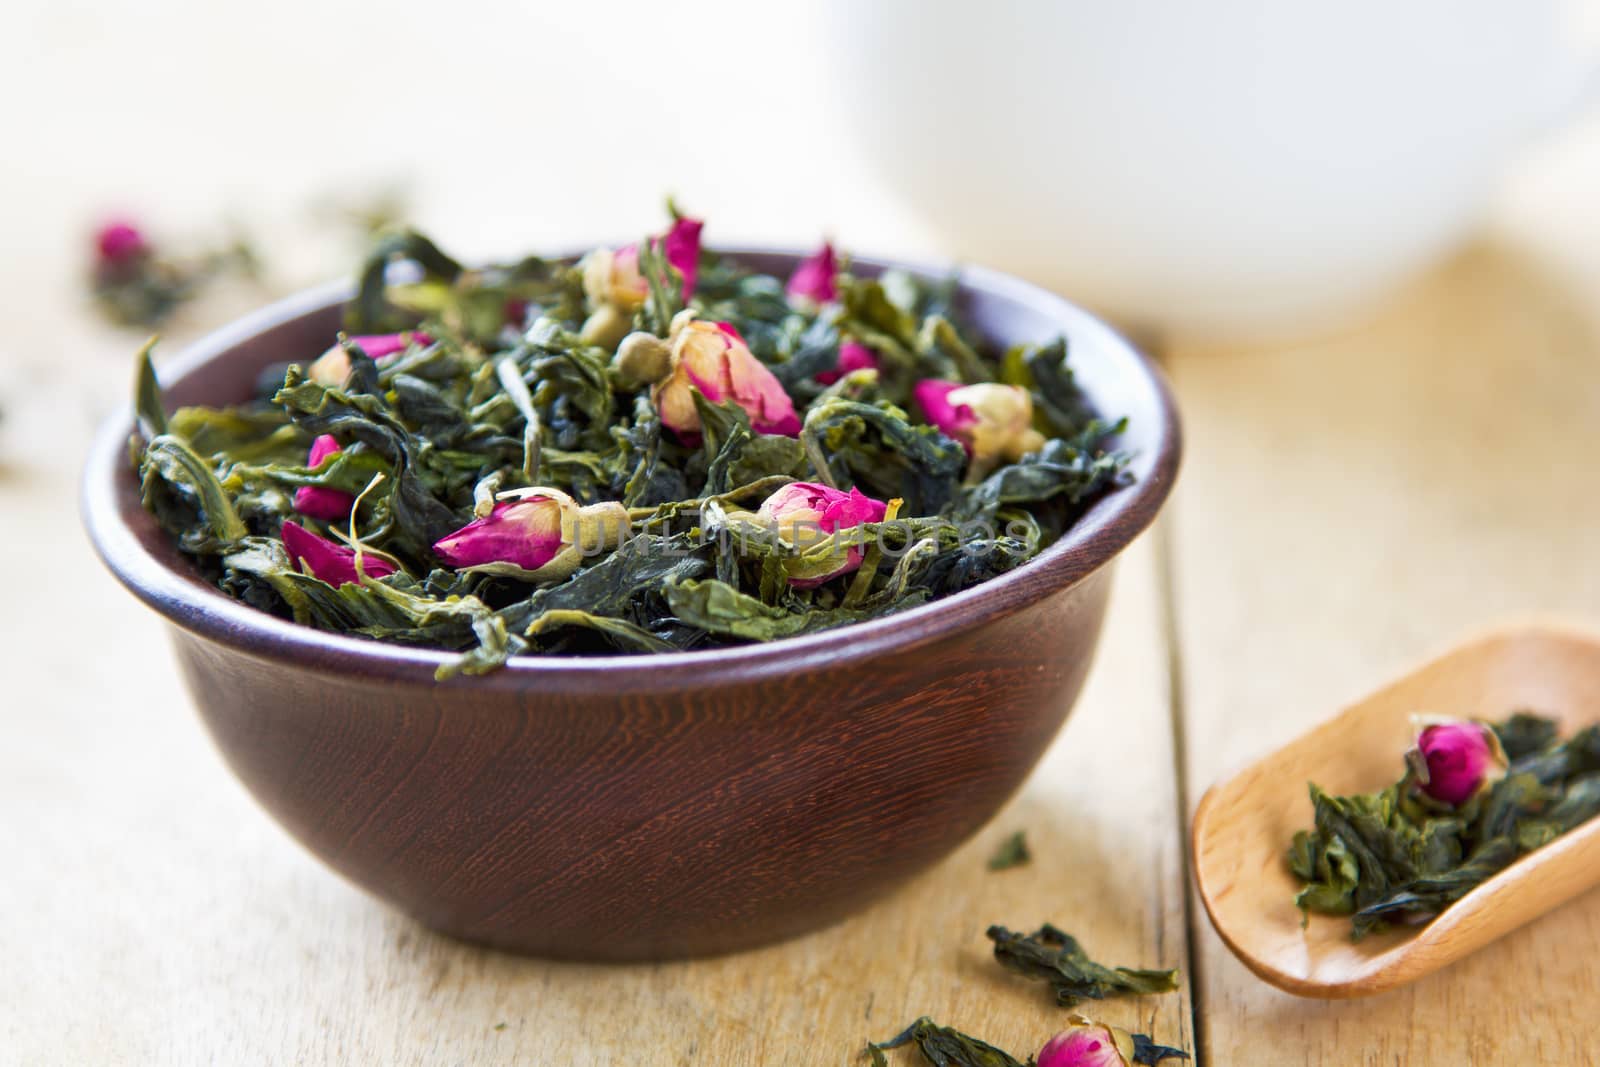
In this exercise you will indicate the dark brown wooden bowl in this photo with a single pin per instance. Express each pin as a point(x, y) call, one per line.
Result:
point(645, 807)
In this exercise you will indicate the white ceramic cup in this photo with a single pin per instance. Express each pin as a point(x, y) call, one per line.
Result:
point(1233, 167)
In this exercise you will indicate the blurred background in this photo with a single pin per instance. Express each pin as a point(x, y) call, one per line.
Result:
point(1245, 171)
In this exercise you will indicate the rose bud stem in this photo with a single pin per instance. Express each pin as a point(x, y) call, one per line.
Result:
point(641, 359)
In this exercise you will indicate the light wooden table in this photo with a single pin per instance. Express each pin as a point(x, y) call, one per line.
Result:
point(1347, 506)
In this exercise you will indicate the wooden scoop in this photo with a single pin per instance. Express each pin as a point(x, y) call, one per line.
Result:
point(1243, 827)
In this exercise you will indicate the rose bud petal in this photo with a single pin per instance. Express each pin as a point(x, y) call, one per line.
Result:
point(853, 356)
point(813, 280)
point(329, 560)
point(804, 513)
point(333, 366)
point(120, 241)
point(540, 534)
point(380, 346)
point(992, 421)
point(713, 358)
point(681, 246)
point(319, 501)
point(613, 278)
point(1454, 758)
point(1088, 1044)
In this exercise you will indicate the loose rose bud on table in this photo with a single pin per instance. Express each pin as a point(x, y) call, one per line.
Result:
point(120, 242)
point(1087, 1043)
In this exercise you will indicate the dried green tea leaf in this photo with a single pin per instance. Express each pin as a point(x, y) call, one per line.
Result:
point(147, 395)
point(876, 448)
point(1072, 471)
point(1055, 957)
point(373, 310)
point(1525, 733)
point(944, 351)
point(181, 488)
point(1148, 1052)
point(1013, 852)
point(717, 607)
point(1059, 403)
point(943, 1046)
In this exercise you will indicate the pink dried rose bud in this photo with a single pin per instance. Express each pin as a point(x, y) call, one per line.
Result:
point(814, 279)
point(612, 276)
point(805, 514)
point(681, 246)
point(711, 357)
point(1454, 758)
point(333, 366)
point(616, 289)
point(1088, 1044)
point(992, 421)
point(120, 241)
point(536, 534)
point(319, 501)
point(329, 560)
point(853, 356)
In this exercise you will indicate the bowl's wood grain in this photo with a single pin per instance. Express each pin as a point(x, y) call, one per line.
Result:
point(643, 807)
point(1243, 826)
point(584, 825)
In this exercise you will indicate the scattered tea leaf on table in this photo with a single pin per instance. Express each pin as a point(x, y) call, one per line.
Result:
point(1013, 852)
point(1055, 957)
point(1148, 1052)
point(943, 1046)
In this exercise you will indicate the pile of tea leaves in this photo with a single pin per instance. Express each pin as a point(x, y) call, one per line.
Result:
point(1403, 855)
point(945, 1046)
point(625, 454)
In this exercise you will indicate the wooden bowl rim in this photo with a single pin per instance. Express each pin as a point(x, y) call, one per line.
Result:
point(1104, 530)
